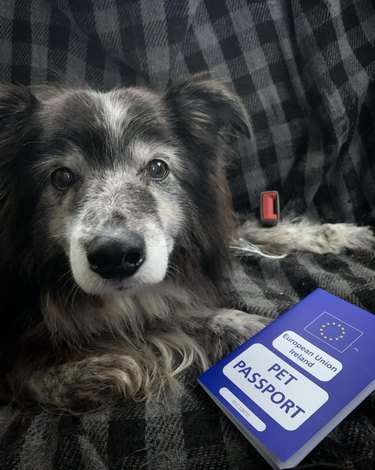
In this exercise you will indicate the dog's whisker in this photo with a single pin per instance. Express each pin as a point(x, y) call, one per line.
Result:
point(74, 294)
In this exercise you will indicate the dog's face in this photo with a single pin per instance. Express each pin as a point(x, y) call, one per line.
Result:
point(114, 184)
point(112, 187)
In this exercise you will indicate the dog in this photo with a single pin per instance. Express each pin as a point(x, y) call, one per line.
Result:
point(116, 225)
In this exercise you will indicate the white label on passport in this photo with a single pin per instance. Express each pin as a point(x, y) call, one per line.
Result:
point(277, 388)
point(311, 358)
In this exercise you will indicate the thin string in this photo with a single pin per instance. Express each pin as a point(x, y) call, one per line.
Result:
point(245, 248)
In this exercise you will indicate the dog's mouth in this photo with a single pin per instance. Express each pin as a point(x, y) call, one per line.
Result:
point(127, 288)
point(118, 288)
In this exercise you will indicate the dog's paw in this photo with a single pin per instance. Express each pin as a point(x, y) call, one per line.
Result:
point(357, 238)
point(88, 383)
point(336, 238)
point(233, 327)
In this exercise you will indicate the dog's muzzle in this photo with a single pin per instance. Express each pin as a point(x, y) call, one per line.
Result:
point(116, 258)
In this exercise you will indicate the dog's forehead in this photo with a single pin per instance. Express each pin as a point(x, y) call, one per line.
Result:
point(109, 125)
point(129, 110)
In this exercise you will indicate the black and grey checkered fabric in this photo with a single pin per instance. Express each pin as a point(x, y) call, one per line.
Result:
point(305, 71)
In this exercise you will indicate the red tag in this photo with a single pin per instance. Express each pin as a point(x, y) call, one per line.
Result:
point(269, 207)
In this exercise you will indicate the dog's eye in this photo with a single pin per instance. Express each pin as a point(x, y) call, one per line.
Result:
point(157, 169)
point(63, 178)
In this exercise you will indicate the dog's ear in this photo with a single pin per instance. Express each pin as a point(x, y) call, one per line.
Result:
point(203, 114)
point(204, 108)
point(17, 105)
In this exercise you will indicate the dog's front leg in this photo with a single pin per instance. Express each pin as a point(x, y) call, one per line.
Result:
point(221, 331)
point(87, 383)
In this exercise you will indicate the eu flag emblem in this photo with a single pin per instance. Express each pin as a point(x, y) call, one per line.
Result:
point(333, 331)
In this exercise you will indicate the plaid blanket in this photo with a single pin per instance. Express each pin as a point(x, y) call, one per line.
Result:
point(304, 70)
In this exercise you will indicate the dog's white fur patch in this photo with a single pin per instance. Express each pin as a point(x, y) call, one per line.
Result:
point(113, 111)
point(85, 278)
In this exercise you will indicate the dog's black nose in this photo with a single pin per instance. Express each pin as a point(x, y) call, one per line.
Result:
point(114, 258)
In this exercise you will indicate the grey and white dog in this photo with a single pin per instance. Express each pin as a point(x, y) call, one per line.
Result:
point(115, 228)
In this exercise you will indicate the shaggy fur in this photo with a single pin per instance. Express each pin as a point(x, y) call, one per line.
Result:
point(111, 282)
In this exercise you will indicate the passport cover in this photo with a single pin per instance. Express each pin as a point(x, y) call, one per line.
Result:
point(289, 385)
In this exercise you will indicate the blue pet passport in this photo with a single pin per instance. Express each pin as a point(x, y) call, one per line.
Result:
point(289, 385)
